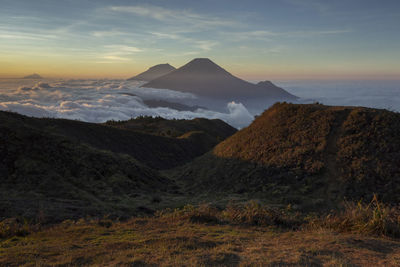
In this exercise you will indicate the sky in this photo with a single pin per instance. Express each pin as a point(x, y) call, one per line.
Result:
point(255, 40)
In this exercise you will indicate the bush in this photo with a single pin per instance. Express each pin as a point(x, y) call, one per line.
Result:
point(374, 218)
point(250, 214)
point(14, 227)
point(201, 214)
point(254, 214)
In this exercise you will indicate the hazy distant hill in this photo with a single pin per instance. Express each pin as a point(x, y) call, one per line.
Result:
point(33, 76)
point(176, 128)
point(173, 105)
point(203, 77)
point(306, 154)
point(153, 72)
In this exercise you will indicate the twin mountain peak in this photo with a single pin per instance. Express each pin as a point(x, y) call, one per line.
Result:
point(203, 77)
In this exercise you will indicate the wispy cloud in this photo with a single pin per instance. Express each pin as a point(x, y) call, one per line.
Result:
point(316, 33)
point(176, 16)
point(124, 48)
point(117, 53)
point(206, 45)
point(171, 36)
point(108, 33)
point(317, 5)
point(269, 35)
point(4, 34)
point(114, 58)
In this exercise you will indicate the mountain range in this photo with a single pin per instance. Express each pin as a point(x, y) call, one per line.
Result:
point(203, 77)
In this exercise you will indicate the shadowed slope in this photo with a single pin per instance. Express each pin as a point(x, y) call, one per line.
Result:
point(176, 127)
point(293, 152)
point(53, 177)
point(153, 73)
point(203, 77)
point(70, 169)
point(148, 147)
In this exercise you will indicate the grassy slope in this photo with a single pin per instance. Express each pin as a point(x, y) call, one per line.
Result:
point(61, 169)
point(53, 176)
point(147, 146)
point(305, 154)
point(161, 242)
point(175, 128)
point(59, 173)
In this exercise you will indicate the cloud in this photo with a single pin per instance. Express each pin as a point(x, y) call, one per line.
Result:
point(171, 36)
point(102, 34)
point(238, 115)
point(114, 58)
point(118, 53)
point(102, 100)
point(269, 35)
point(10, 34)
point(206, 45)
point(319, 6)
point(175, 16)
point(125, 48)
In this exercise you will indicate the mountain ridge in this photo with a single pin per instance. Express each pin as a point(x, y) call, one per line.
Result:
point(203, 77)
point(153, 72)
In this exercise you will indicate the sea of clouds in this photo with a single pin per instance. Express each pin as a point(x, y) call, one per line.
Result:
point(383, 94)
point(103, 100)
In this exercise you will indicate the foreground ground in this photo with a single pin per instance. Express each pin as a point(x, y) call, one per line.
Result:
point(162, 241)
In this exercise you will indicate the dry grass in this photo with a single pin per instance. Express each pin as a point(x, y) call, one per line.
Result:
point(374, 218)
point(160, 242)
point(249, 235)
point(305, 155)
point(250, 214)
point(16, 227)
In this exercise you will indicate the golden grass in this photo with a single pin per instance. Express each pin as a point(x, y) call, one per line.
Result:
point(202, 236)
point(374, 218)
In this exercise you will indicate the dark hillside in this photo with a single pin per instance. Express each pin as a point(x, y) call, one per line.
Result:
point(147, 146)
point(50, 176)
point(175, 128)
point(69, 169)
point(306, 154)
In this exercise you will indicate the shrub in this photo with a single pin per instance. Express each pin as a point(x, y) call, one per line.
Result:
point(255, 214)
point(201, 214)
point(250, 214)
point(14, 227)
point(374, 218)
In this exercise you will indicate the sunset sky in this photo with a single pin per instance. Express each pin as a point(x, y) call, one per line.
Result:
point(280, 39)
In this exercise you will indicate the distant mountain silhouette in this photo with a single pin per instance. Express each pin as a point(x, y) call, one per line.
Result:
point(155, 103)
point(203, 77)
point(173, 105)
point(153, 73)
point(33, 76)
